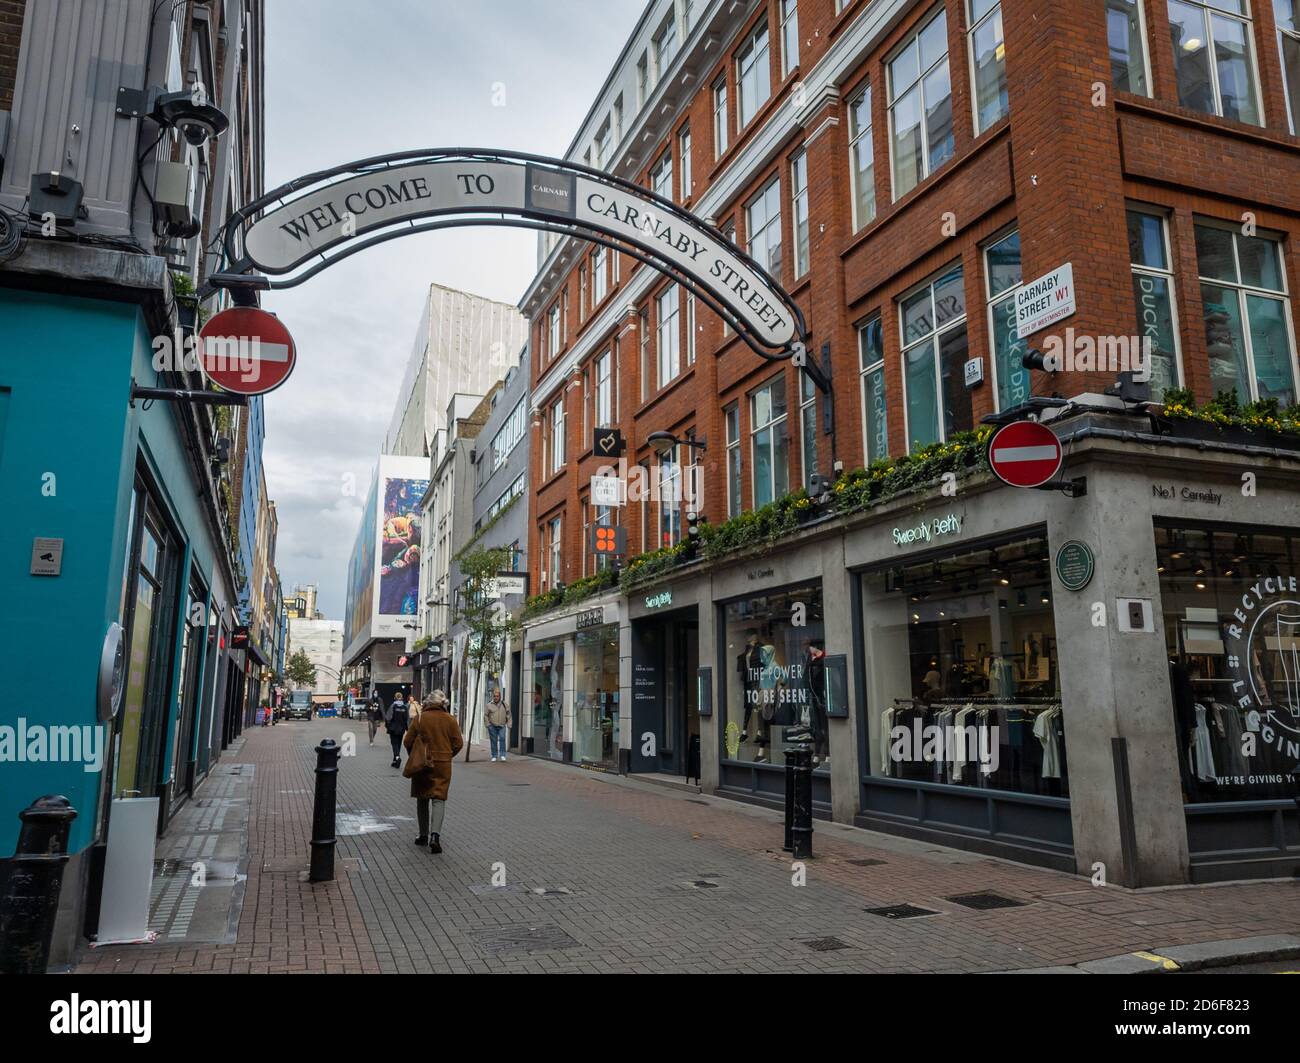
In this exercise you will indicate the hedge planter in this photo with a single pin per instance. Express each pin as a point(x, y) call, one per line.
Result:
point(1191, 428)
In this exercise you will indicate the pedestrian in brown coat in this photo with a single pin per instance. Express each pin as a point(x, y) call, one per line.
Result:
point(440, 733)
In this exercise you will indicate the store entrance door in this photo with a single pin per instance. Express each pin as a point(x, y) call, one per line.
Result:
point(665, 694)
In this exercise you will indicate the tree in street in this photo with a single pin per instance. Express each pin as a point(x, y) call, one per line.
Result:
point(489, 624)
point(300, 670)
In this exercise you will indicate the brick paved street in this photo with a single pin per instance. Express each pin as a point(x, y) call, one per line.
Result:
point(619, 864)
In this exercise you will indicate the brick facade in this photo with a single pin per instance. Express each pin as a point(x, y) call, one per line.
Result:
point(1059, 168)
point(11, 34)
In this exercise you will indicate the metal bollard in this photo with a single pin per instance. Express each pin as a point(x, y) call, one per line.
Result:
point(788, 845)
point(802, 830)
point(31, 897)
point(322, 821)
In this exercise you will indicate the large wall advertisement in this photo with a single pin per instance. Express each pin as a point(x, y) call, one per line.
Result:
point(384, 575)
point(399, 572)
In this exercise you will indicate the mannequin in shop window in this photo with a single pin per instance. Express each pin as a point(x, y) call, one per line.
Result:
point(758, 682)
point(815, 673)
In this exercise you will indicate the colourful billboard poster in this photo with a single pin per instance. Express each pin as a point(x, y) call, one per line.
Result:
point(361, 575)
point(399, 572)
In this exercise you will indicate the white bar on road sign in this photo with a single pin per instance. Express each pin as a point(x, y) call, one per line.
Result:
point(219, 346)
point(1025, 454)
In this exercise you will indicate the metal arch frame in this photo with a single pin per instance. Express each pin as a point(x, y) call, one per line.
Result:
point(459, 217)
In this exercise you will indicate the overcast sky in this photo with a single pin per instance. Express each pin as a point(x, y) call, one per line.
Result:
point(345, 81)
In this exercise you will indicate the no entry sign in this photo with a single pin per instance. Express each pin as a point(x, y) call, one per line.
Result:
point(246, 350)
point(1025, 454)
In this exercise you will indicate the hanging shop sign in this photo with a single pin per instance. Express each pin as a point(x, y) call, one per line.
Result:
point(608, 443)
point(511, 583)
point(1075, 565)
point(590, 618)
point(606, 491)
point(380, 198)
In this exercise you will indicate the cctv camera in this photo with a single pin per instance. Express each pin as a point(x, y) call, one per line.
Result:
point(196, 122)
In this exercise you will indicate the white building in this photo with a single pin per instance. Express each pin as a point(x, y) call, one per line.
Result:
point(322, 642)
point(464, 344)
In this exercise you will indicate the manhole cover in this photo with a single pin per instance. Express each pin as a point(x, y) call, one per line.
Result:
point(900, 911)
point(825, 944)
point(985, 902)
point(868, 862)
point(505, 939)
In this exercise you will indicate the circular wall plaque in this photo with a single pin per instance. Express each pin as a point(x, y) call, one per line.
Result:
point(112, 672)
point(1075, 565)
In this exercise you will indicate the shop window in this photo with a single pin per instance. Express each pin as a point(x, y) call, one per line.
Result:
point(963, 685)
point(1231, 606)
point(1126, 36)
point(920, 105)
point(1287, 15)
point(1213, 58)
point(875, 406)
point(769, 443)
point(799, 213)
point(775, 675)
point(1248, 332)
point(807, 426)
point(1002, 278)
point(933, 319)
point(1153, 295)
point(732, 417)
point(862, 159)
point(988, 56)
point(763, 226)
point(548, 699)
point(595, 698)
point(753, 75)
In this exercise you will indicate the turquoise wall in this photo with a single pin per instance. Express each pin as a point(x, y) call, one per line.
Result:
point(69, 444)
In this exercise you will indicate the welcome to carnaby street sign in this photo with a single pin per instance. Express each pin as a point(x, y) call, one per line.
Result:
point(382, 198)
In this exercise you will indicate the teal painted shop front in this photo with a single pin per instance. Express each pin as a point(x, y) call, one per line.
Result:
point(118, 486)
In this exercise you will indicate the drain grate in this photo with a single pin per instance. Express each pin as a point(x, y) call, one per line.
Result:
point(831, 944)
point(985, 902)
point(867, 862)
point(900, 911)
point(552, 891)
point(506, 939)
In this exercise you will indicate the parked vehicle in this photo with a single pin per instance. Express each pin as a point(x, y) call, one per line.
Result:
point(299, 706)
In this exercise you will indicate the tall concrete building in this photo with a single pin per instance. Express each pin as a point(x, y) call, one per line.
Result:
point(940, 185)
point(464, 344)
point(322, 642)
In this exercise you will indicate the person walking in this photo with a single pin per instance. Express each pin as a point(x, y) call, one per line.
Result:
point(439, 733)
point(498, 719)
point(374, 717)
point(397, 719)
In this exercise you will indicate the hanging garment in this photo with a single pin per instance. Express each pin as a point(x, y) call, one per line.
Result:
point(886, 727)
point(959, 760)
point(1202, 750)
point(1002, 678)
point(1046, 735)
point(1232, 758)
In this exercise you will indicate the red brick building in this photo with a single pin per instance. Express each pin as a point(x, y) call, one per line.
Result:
point(1069, 135)
point(904, 168)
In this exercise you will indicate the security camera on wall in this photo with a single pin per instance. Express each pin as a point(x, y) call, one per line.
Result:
point(197, 121)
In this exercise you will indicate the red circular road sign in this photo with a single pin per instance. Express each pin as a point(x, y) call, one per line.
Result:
point(246, 350)
point(1025, 454)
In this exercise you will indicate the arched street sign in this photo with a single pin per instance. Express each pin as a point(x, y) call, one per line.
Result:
point(304, 226)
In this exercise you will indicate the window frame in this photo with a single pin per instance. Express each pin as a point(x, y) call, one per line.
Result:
point(1169, 275)
point(971, 28)
point(864, 94)
point(1208, 9)
point(770, 224)
point(1288, 87)
point(932, 337)
point(863, 372)
point(802, 262)
point(557, 431)
point(991, 300)
point(1146, 48)
point(603, 389)
point(686, 179)
point(735, 501)
point(748, 49)
point(782, 423)
point(721, 118)
point(914, 39)
point(788, 14)
point(669, 326)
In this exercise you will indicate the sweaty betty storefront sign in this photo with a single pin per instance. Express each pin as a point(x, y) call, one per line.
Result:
point(928, 531)
point(288, 236)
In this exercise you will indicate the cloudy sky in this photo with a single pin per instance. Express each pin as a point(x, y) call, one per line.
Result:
point(345, 81)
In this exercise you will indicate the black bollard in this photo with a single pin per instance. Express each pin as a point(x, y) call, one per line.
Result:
point(788, 845)
point(31, 897)
point(802, 830)
point(322, 820)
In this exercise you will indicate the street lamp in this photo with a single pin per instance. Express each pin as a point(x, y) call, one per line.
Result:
point(665, 442)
